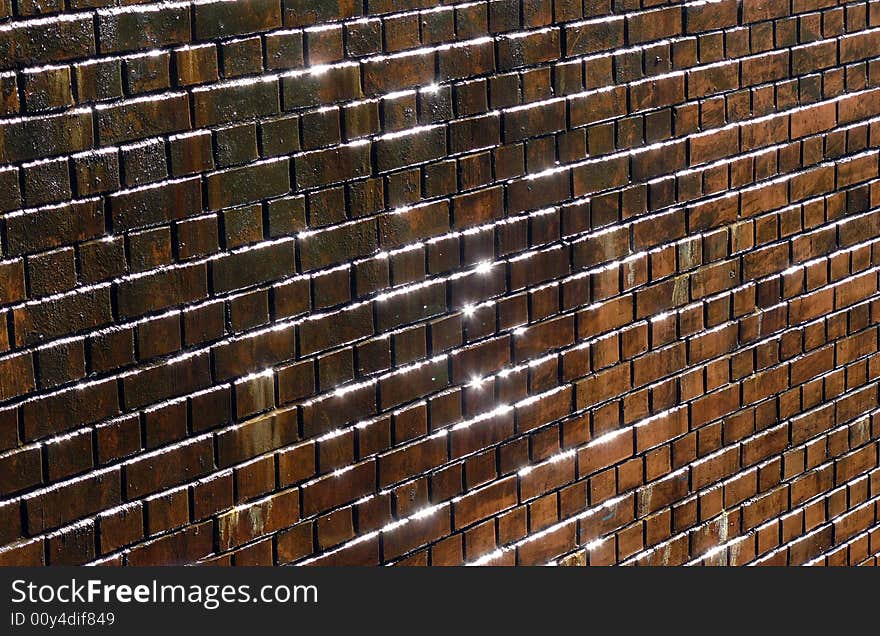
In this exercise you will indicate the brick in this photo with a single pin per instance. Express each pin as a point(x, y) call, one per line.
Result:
point(48, 89)
point(654, 25)
point(397, 150)
point(396, 310)
point(595, 106)
point(334, 490)
point(142, 27)
point(243, 523)
point(142, 294)
point(155, 204)
point(713, 78)
point(533, 120)
point(330, 246)
point(183, 546)
point(323, 167)
point(538, 192)
point(412, 460)
point(196, 64)
point(412, 535)
point(602, 174)
point(402, 387)
point(708, 16)
point(140, 118)
point(253, 266)
point(184, 462)
point(62, 315)
point(331, 412)
point(756, 10)
point(49, 135)
point(474, 132)
point(214, 20)
point(248, 183)
point(235, 101)
point(323, 333)
point(485, 502)
point(252, 352)
point(410, 224)
point(71, 500)
point(40, 41)
point(21, 469)
point(302, 89)
point(526, 49)
point(854, 107)
point(345, 283)
point(465, 59)
point(592, 36)
point(304, 12)
point(391, 73)
point(162, 381)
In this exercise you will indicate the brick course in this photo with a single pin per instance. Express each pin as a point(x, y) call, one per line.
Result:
point(333, 282)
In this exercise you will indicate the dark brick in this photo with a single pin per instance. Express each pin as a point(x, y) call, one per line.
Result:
point(253, 266)
point(34, 138)
point(49, 227)
point(248, 183)
point(155, 204)
point(322, 333)
point(143, 27)
point(396, 72)
point(69, 408)
point(216, 20)
point(338, 83)
point(327, 247)
point(39, 41)
point(306, 12)
point(168, 379)
point(73, 499)
point(160, 289)
point(62, 315)
point(408, 225)
point(253, 352)
point(411, 305)
point(592, 36)
point(323, 167)
point(184, 546)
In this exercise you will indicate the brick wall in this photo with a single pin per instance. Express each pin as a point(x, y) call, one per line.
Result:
point(423, 282)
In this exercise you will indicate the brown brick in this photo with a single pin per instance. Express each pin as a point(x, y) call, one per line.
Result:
point(143, 294)
point(323, 167)
point(182, 547)
point(39, 137)
point(302, 89)
point(334, 490)
point(140, 118)
point(141, 27)
point(176, 377)
point(37, 42)
point(592, 36)
point(72, 500)
point(398, 150)
point(340, 283)
point(62, 315)
point(485, 502)
point(186, 461)
point(224, 19)
point(243, 523)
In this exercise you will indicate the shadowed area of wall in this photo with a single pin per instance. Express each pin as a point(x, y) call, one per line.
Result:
point(426, 282)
